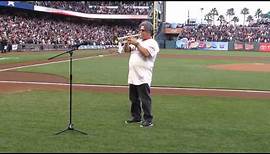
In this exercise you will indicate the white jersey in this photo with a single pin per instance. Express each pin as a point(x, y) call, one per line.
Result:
point(140, 67)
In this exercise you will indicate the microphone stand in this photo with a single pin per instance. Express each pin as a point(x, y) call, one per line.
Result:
point(70, 125)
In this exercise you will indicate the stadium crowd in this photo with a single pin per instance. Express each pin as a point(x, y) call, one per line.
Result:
point(20, 29)
point(225, 33)
point(23, 29)
point(100, 7)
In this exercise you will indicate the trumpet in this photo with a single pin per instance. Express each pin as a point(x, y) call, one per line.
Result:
point(125, 37)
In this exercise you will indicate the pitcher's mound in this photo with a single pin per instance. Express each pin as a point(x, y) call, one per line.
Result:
point(256, 67)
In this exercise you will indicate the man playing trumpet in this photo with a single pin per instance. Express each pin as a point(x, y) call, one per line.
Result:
point(143, 53)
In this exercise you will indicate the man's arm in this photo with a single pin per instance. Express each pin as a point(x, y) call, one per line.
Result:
point(142, 50)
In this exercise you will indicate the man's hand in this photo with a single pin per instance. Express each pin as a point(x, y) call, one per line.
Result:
point(142, 50)
point(133, 41)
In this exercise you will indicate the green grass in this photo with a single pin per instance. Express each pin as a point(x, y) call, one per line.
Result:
point(36, 56)
point(182, 124)
point(177, 72)
point(194, 73)
point(18, 57)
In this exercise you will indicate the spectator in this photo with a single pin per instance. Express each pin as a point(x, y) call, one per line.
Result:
point(224, 33)
point(1, 45)
point(54, 30)
point(100, 7)
point(9, 46)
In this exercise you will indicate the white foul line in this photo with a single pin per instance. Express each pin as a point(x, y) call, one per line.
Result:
point(25, 66)
point(110, 86)
point(114, 86)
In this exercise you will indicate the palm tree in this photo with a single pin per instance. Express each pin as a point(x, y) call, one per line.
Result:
point(208, 18)
point(230, 13)
point(221, 19)
point(249, 19)
point(235, 19)
point(201, 14)
point(244, 11)
point(214, 13)
point(266, 15)
point(258, 13)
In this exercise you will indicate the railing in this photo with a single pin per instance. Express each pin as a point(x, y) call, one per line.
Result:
point(38, 47)
point(54, 47)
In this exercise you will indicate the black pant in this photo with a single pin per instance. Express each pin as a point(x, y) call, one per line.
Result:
point(140, 94)
point(1, 48)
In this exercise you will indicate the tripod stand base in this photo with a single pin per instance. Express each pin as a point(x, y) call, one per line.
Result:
point(70, 127)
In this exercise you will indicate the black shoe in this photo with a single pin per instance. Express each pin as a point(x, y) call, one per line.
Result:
point(132, 121)
point(147, 124)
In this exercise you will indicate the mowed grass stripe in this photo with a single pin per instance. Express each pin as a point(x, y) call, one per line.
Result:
point(182, 124)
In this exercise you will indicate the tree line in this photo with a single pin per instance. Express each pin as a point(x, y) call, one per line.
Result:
point(230, 14)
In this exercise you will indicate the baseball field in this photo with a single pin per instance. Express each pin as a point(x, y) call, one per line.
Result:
point(203, 101)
